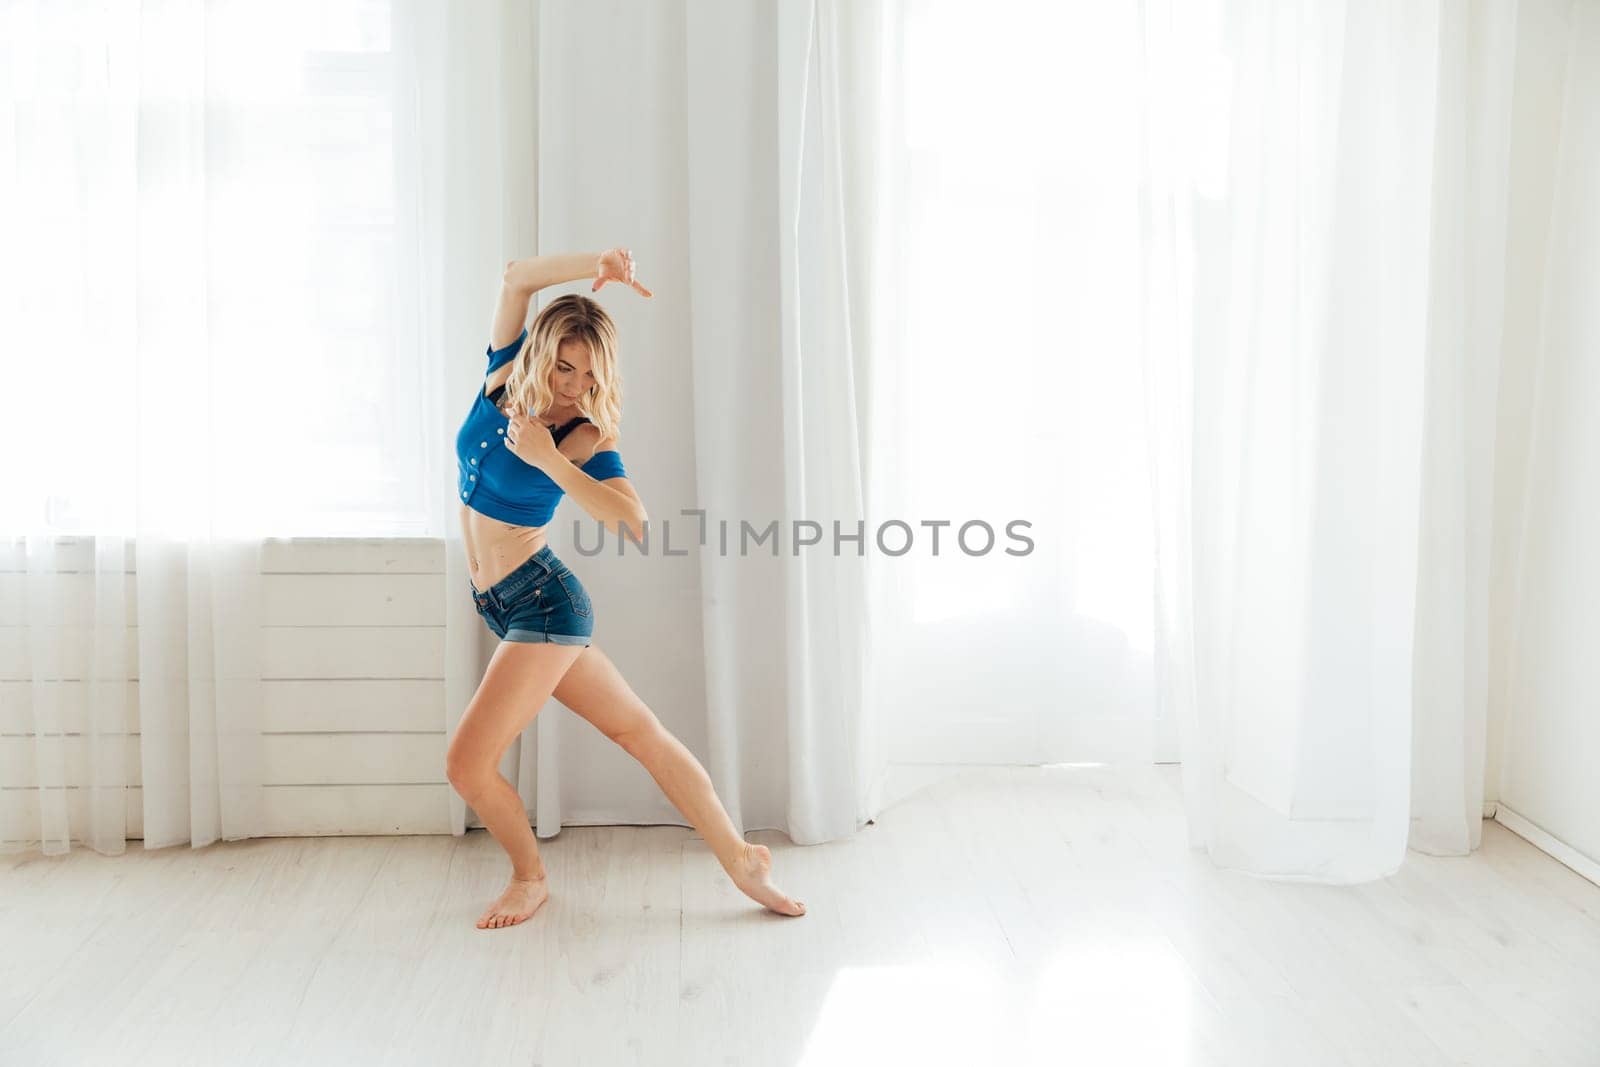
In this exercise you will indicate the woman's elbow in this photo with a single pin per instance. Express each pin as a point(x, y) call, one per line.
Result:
point(516, 278)
point(632, 525)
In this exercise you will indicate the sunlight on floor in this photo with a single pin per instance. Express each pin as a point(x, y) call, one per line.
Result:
point(1092, 1004)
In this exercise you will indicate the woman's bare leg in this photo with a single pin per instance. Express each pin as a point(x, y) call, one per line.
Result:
point(594, 688)
point(517, 683)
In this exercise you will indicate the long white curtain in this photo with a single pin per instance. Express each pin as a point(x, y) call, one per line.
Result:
point(1215, 287)
point(245, 278)
point(1326, 214)
point(154, 312)
point(465, 110)
point(716, 149)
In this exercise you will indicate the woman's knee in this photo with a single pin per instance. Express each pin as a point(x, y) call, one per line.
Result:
point(467, 767)
point(642, 736)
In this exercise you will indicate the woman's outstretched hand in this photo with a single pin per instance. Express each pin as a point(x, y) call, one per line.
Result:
point(616, 265)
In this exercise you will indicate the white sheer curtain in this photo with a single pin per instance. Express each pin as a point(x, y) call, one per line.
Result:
point(250, 255)
point(718, 147)
point(466, 104)
point(1276, 230)
point(1327, 189)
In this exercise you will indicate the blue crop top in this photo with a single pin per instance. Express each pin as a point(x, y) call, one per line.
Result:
point(495, 482)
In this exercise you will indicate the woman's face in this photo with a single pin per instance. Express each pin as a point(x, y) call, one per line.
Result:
point(571, 377)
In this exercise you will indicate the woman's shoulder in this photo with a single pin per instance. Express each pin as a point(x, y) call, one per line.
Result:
point(591, 437)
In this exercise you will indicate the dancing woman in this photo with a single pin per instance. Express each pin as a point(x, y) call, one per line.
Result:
point(546, 424)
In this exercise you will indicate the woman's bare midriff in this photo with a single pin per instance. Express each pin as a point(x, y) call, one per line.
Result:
point(495, 548)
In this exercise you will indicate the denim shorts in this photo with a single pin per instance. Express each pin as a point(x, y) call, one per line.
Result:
point(540, 601)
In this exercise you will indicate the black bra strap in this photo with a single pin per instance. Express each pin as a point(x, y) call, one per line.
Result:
point(559, 432)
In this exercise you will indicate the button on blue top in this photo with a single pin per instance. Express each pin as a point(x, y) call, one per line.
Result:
point(493, 481)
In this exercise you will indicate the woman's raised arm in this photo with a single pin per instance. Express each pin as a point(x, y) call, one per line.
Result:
point(523, 278)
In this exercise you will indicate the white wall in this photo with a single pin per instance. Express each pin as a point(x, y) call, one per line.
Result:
point(1544, 733)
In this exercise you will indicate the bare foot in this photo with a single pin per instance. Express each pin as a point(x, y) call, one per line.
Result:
point(520, 900)
point(752, 873)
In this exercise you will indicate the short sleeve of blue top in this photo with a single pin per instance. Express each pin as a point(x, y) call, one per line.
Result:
point(491, 480)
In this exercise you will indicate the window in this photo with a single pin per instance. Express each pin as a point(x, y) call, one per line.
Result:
point(209, 293)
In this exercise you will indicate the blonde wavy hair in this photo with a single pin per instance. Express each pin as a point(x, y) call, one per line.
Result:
point(570, 317)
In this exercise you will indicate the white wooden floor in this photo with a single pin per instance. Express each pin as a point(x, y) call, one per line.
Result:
point(1005, 915)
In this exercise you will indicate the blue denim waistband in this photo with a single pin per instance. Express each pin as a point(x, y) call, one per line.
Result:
point(531, 571)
